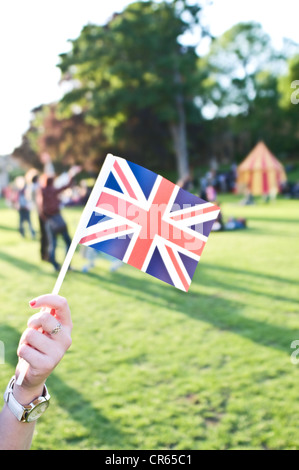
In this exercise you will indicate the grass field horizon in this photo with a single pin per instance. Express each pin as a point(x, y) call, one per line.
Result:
point(152, 367)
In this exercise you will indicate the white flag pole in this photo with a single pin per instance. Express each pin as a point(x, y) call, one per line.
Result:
point(91, 203)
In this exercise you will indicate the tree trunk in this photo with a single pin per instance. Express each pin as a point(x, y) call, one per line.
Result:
point(179, 136)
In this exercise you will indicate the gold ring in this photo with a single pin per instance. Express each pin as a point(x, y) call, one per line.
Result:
point(56, 329)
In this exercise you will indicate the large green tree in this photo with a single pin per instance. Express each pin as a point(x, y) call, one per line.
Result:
point(134, 64)
point(234, 61)
point(68, 141)
point(288, 86)
point(248, 92)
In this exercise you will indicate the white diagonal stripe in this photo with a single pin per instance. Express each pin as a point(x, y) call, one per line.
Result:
point(188, 208)
point(131, 180)
point(104, 238)
point(169, 265)
point(198, 219)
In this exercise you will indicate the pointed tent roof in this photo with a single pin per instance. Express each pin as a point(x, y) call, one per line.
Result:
point(261, 172)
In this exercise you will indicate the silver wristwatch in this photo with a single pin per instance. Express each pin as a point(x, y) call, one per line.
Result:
point(28, 413)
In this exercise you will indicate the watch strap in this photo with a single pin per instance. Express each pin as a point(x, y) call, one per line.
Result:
point(15, 407)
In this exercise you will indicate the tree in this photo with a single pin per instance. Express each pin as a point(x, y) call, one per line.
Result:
point(234, 61)
point(26, 155)
point(289, 84)
point(243, 93)
point(135, 64)
point(68, 141)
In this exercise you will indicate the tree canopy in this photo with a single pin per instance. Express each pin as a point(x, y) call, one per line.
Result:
point(137, 63)
point(137, 90)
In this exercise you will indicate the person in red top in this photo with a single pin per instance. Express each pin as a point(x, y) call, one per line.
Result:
point(50, 211)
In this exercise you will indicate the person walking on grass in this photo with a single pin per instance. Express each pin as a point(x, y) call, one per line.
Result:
point(50, 212)
point(24, 208)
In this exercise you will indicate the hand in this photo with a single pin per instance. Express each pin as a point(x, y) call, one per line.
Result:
point(41, 349)
point(45, 157)
point(74, 171)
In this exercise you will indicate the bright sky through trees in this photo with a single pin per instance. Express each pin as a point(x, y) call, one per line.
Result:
point(32, 36)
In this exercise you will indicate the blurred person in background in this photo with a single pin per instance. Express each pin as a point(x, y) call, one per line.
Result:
point(24, 207)
point(49, 204)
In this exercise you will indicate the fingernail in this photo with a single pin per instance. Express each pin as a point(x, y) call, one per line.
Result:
point(32, 303)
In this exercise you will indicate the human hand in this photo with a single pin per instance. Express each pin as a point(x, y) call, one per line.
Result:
point(39, 347)
point(45, 157)
point(74, 170)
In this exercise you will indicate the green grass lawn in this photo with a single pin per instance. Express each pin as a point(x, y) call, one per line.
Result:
point(152, 367)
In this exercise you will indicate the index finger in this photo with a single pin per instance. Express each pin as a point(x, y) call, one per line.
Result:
point(56, 302)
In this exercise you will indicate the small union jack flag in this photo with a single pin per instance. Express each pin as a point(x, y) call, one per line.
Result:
point(148, 222)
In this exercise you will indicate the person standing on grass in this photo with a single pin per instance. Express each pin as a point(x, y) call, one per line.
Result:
point(23, 205)
point(50, 212)
point(37, 182)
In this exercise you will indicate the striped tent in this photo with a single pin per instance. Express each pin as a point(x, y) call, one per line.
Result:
point(260, 173)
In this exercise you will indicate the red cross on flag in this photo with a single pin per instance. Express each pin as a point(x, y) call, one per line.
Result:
point(148, 222)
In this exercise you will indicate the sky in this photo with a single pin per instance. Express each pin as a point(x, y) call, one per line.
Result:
point(33, 34)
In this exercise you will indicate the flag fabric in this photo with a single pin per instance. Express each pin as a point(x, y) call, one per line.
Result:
point(148, 222)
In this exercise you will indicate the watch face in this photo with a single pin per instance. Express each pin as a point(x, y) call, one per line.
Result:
point(37, 412)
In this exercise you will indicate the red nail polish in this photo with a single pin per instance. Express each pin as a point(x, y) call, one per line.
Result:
point(32, 303)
